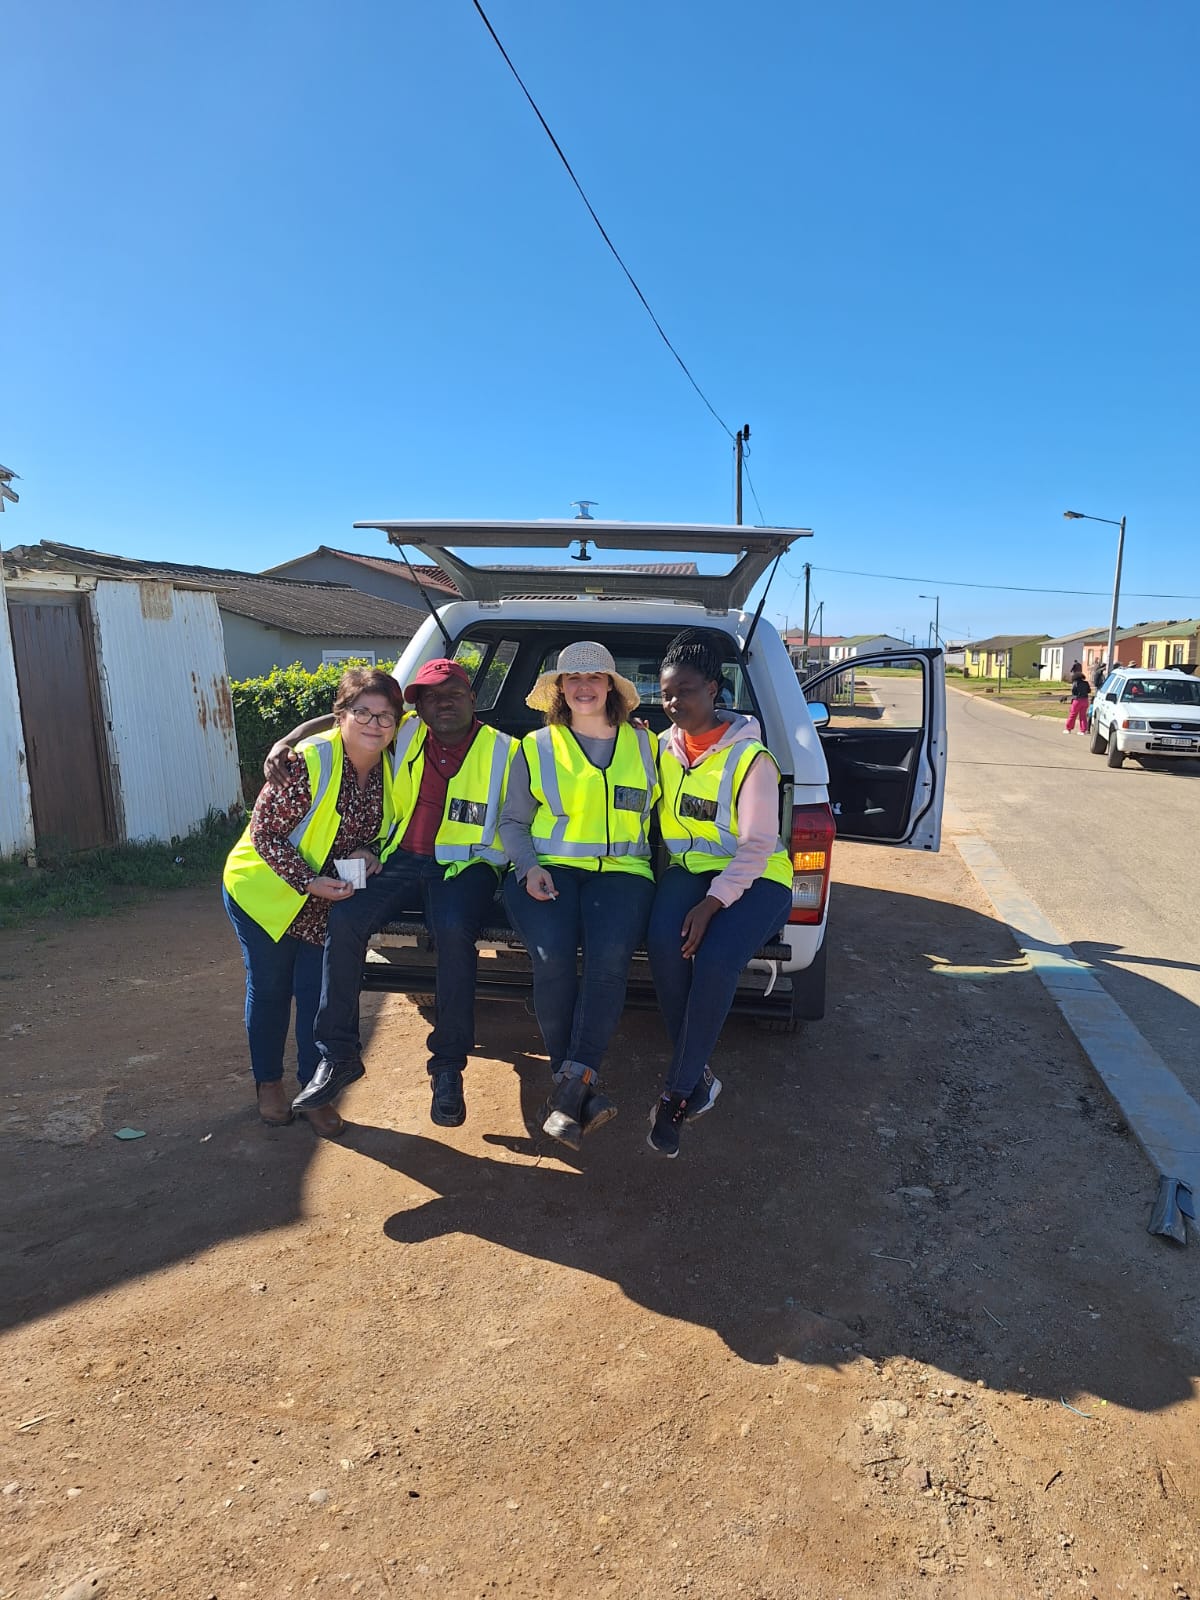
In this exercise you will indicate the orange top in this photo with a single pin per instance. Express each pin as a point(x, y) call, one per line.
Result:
point(695, 747)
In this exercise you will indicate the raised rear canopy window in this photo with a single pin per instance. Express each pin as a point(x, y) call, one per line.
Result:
point(750, 552)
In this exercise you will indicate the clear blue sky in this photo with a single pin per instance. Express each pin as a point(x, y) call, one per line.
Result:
point(270, 269)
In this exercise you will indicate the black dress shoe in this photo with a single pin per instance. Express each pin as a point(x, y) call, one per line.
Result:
point(327, 1082)
point(448, 1108)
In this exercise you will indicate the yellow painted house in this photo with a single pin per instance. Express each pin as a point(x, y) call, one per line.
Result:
point(1175, 645)
point(1011, 655)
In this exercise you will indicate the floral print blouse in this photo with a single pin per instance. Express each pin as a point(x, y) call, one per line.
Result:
point(277, 811)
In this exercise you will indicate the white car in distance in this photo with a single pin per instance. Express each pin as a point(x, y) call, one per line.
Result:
point(1146, 714)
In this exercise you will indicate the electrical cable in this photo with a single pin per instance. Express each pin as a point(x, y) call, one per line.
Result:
point(1014, 588)
point(753, 491)
point(596, 220)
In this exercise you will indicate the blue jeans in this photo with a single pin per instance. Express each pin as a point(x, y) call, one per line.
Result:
point(605, 913)
point(455, 910)
point(695, 995)
point(277, 974)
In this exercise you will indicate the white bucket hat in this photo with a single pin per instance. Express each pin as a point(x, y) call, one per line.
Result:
point(586, 656)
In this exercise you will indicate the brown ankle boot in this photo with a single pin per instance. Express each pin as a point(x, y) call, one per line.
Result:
point(274, 1104)
point(324, 1122)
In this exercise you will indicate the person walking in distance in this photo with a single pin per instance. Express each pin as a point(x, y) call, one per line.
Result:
point(1080, 698)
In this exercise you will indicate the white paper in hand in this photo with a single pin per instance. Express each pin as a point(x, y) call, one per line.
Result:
point(354, 872)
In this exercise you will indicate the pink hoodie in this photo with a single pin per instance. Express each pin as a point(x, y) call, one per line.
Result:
point(757, 805)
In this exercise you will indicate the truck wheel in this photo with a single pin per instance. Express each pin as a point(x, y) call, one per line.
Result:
point(1115, 758)
point(1097, 744)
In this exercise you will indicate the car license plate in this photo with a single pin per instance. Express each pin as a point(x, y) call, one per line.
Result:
point(1175, 744)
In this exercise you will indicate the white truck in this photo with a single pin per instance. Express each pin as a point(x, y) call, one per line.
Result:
point(848, 769)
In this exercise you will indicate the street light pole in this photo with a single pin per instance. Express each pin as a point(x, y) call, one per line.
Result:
point(937, 615)
point(1082, 516)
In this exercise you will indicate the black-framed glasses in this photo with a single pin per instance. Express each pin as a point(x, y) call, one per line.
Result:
point(364, 718)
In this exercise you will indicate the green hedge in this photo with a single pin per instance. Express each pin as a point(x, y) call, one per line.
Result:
point(265, 708)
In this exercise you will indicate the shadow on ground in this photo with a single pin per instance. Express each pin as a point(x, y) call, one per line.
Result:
point(931, 1172)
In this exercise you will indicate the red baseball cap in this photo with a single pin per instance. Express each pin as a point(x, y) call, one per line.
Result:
point(439, 670)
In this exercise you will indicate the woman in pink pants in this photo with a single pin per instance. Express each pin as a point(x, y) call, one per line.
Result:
point(1080, 695)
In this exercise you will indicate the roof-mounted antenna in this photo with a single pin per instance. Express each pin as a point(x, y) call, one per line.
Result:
point(583, 515)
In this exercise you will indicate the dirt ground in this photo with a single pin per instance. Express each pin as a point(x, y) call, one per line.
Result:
point(890, 1326)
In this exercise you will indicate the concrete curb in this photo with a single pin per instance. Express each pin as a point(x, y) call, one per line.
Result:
point(1163, 1117)
point(997, 705)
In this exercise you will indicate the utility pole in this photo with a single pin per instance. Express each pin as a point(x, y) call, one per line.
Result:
point(807, 589)
point(742, 436)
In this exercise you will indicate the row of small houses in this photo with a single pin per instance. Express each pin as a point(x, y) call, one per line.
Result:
point(1028, 655)
point(1146, 644)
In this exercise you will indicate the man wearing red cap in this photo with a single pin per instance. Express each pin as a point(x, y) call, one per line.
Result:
point(447, 773)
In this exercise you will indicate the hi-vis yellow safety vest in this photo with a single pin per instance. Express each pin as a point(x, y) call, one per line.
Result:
point(587, 817)
point(698, 810)
point(253, 884)
point(470, 823)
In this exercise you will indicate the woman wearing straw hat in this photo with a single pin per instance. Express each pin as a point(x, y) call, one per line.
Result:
point(575, 824)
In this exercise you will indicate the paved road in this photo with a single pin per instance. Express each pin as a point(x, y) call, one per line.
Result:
point(1112, 857)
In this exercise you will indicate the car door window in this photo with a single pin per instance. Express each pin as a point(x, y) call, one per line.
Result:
point(875, 743)
point(487, 662)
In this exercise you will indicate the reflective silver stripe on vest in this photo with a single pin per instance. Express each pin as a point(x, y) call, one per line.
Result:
point(642, 847)
point(484, 849)
point(726, 842)
point(324, 749)
point(405, 735)
point(555, 844)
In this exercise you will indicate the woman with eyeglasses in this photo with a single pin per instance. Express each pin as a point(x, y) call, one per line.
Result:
point(280, 879)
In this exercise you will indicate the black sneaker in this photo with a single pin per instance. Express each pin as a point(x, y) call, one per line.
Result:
point(703, 1096)
point(327, 1082)
point(563, 1114)
point(666, 1118)
point(448, 1108)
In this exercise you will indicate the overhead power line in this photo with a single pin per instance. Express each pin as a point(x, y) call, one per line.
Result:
point(1014, 588)
point(753, 491)
point(603, 234)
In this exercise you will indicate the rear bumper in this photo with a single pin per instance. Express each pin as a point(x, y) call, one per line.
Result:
point(403, 960)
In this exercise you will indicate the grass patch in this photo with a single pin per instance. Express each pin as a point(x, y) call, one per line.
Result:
point(96, 883)
point(1034, 695)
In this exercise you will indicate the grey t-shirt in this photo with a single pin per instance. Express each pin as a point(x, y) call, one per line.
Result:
point(519, 805)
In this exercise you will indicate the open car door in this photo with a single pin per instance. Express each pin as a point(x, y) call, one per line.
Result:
point(884, 737)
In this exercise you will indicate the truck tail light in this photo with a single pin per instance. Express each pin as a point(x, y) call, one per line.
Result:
point(811, 850)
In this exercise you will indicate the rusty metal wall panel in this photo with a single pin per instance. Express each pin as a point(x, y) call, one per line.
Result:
point(166, 692)
point(16, 818)
point(60, 716)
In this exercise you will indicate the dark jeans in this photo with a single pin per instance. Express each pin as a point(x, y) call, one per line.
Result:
point(277, 974)
point(695, 995)
point(605, 913)
point(455, 910)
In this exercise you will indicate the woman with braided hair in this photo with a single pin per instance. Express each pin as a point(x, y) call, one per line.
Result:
point(728, 888)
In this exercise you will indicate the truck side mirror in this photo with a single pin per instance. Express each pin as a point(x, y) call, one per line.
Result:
point(819, 714)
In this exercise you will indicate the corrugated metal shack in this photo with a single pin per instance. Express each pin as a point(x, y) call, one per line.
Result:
point(124, 702)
